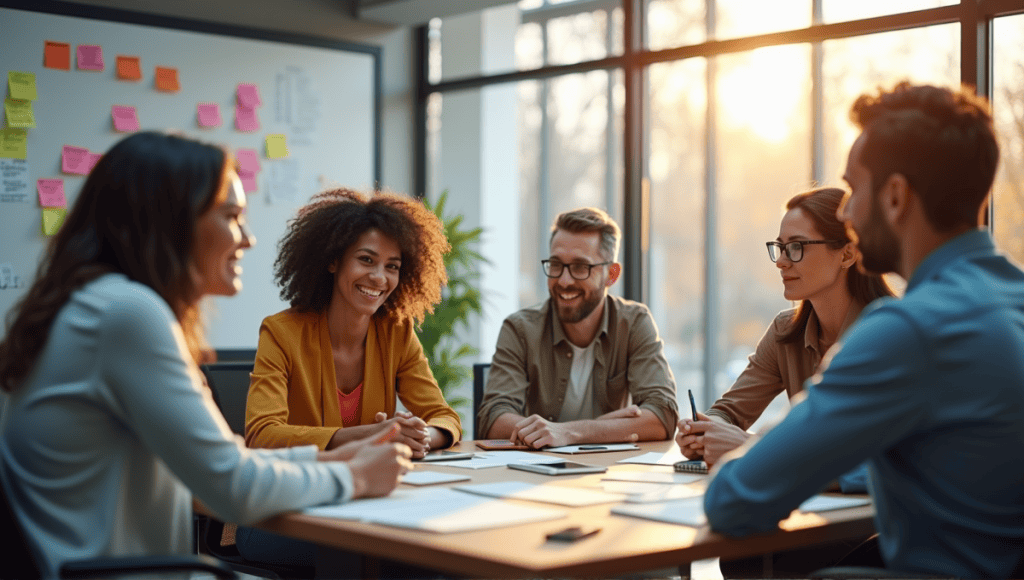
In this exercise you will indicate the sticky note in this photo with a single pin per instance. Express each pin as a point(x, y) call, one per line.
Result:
point(57, 55)
point(14, 143)
point(167, 79)
point(249, 95)
point(248, 160)
point(91, 159)
point(19, 114)
point(53, 218)
point(246, 119)
point(90, 57)
point(51, 192)
point(209, 114)
point(22, 85)
point(248, 179)
point(126, 119)
point(74, 159)
point(277, 146)
point(129, 68)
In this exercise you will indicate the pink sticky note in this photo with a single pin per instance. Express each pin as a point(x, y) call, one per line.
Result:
point(248, 180)
point(90, 57)
point(51, 192)
point(209, 114)
point(249, 95)
point(248, 160)
point(74, 160)
point(246, 119)
point(91, 160)
point(126, 119)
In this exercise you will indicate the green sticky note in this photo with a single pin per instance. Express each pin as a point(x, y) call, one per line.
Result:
point(22, 85)
point(53, 218)
point(277, 146)
point(19, 114)
point(14, 143)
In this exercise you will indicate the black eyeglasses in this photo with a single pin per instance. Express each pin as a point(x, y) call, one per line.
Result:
point(794, 250)
point(578, 270)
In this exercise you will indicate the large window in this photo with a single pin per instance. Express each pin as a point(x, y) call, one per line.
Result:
point(727, 108)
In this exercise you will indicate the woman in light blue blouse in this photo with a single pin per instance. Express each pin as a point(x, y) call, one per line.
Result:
point(109, 431)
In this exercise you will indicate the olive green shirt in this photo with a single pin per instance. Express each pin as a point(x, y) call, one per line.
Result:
point(530, 370)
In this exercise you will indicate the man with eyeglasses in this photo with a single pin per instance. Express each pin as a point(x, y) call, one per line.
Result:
point(583, 366)
point(929, 389)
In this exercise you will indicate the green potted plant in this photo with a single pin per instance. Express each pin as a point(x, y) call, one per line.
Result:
point(459, 301)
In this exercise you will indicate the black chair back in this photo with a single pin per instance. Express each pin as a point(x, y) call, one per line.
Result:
point(480, 371)
point(19, 562)
point(229, 382)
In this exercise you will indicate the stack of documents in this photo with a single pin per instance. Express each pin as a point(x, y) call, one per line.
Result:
point(690, 512)
point(556, 494)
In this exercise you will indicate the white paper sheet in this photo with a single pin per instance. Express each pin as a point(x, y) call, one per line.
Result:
point(438, 510)
point(653, 458)
point(501, 459)
point(687, 512)
point(556, 494)
point(419, 477)
point(592, 448)
point(824, 503)
point(652, 477)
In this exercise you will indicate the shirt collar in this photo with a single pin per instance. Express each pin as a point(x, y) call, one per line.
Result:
point(812, 332)
point(977, 240)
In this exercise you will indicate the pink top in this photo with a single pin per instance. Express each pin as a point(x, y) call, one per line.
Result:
point(349, 405)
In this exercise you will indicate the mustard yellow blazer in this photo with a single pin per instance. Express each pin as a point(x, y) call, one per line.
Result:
point(293, 393)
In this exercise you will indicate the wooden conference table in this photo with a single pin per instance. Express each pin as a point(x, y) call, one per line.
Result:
point(624, 544)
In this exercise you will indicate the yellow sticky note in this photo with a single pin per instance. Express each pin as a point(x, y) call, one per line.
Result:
point(277, 146)
point(19, 114)
point(14, 143)
point(22, 85)
point(53, 218)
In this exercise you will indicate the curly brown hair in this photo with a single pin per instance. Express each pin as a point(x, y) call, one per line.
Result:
point(322, 231)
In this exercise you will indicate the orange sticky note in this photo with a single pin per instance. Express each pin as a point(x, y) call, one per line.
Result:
point(57, 55)
point(129, 68)
point(167, 79)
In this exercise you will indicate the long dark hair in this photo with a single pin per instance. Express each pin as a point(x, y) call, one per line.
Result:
point(820, 206)
point(136, 215)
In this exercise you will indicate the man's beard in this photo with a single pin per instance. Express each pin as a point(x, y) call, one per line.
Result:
point(879, 247)
point(575, 314)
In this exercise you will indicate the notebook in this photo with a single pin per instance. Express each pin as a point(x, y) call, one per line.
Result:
point(691, 466)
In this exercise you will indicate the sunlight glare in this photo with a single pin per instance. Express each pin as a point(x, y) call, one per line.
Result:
point(763, 89)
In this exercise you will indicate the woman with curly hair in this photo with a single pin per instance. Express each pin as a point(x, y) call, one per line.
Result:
point(359, 272)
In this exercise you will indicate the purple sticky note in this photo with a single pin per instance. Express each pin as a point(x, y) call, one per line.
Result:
point(248, 180)
point(91, 160)
point(249, 95)
point(209, 114)
point(74, 160)
point(248, 160)
point(125, 118)
point(51, 192)
point(90, 57)
point(246, 119)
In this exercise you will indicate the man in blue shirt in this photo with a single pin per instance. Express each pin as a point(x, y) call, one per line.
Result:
point(928, 389)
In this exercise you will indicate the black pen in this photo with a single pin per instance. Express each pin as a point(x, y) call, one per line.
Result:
point(591, 447)
point(693, 406)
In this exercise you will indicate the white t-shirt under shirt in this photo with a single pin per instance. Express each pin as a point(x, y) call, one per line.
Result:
point(579, 396)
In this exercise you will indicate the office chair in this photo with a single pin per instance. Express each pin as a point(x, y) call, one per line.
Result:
point(229, 382)
point(19, 561)
point(480, 371)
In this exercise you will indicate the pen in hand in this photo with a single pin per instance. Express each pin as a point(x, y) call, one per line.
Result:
point(693, 406)
point(388, 435)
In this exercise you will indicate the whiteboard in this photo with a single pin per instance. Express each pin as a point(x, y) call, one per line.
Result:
point(323, 95)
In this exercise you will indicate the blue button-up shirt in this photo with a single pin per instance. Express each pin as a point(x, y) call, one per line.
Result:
point(930, 390)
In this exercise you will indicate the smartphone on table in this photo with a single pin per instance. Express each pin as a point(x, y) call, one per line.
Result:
point(558, 468)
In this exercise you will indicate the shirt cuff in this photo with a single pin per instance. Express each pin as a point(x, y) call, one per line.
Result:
point(338, 469)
